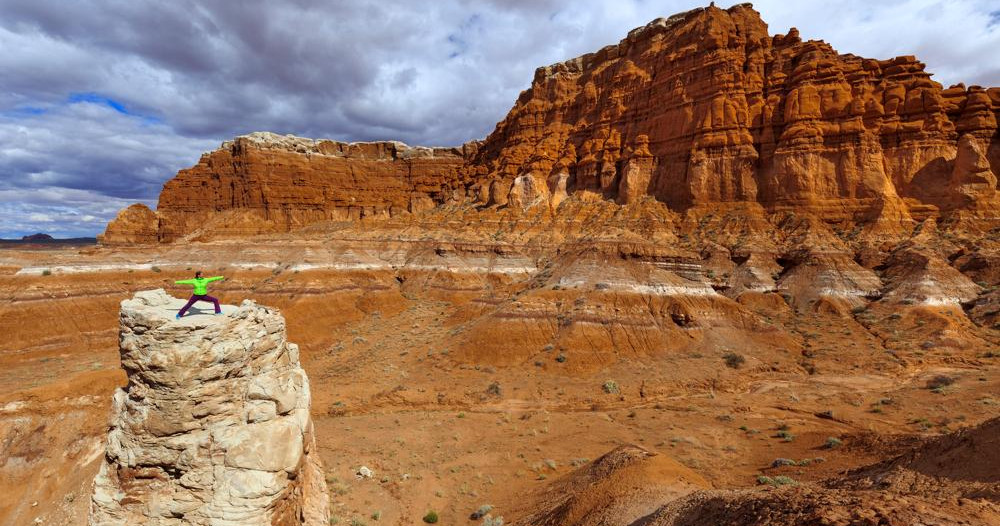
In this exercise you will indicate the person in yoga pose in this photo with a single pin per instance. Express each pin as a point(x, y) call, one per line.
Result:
point(200, 292)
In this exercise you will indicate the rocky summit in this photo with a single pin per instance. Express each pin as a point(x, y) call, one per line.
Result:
point(213, 427)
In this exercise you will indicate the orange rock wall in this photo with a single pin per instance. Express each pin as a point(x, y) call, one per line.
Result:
point(699, 110)
point(136, 224)
point(267, 183)
point(730, 113)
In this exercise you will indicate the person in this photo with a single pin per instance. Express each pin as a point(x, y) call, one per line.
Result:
point(200, 292)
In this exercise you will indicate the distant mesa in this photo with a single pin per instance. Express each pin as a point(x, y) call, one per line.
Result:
point(46, 240)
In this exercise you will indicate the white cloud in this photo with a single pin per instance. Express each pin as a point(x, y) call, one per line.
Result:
point(40, 218)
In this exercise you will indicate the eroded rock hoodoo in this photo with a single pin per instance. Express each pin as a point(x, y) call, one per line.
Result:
point(213, 427)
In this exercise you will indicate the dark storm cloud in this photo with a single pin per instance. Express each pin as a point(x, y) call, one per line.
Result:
point(102, 101)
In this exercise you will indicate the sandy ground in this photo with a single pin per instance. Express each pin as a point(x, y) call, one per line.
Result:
point(460, 386)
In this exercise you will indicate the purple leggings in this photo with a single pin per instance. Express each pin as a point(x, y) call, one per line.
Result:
point(200, 298)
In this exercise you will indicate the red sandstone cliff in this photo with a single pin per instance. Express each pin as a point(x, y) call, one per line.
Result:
point(700, 111)
point(136, 224)
point(706, 107)
point(265, 182)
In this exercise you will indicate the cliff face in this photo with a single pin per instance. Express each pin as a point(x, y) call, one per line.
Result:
point(264, 182)
point(136, 224)
point(703, 110)
point(706, 108)
point(213, 427)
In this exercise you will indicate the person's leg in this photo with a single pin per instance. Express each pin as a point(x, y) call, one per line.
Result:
point(188, 305)
point(218, 309)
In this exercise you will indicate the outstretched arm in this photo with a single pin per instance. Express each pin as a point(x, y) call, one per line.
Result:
point(185, 282)
point(215, 278)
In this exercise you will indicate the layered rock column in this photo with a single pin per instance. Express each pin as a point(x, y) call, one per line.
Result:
point(213, 427)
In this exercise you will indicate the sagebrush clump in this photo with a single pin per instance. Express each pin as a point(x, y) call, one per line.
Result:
point(734, 360)
point(939, 381)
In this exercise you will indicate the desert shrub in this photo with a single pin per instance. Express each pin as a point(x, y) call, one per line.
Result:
point(46, 272)
point(481, 512)
point(492, 521)
point(923, 423)
point(561, 358)
point(611, 387)
point(778, 462)
point(155, 269)
point(785, 435)
point(939, 381)
point(832, 443)
point(431, 517)
point(780, 480)
point(734, 360)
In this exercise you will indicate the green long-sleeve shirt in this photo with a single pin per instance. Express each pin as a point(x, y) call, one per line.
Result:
point(200, 284)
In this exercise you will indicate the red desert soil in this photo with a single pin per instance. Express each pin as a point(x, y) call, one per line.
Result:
point(397, 386)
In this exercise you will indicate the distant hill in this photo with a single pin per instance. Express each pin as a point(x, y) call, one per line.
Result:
point(37, 237)
point(46, 239)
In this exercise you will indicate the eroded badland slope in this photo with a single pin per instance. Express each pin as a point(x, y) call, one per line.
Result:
point(705, 275)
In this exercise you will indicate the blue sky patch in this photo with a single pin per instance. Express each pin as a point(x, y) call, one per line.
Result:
point(98, 99)
point(24, 112)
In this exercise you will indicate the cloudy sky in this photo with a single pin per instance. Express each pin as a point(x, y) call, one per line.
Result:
point(102, 101)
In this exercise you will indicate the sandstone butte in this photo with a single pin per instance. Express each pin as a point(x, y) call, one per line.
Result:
point(213, 427)
point(702, 111)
